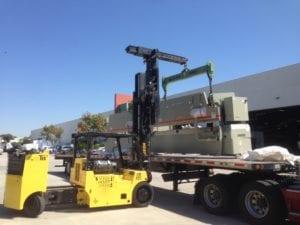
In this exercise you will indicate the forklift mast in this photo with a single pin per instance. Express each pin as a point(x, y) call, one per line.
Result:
point(146, 99)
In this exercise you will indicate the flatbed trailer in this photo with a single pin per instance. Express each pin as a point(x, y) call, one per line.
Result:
point(223, 162)
point(266, 192)
point(205, 162)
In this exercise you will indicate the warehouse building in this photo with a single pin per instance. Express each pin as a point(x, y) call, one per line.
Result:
point(274, 105)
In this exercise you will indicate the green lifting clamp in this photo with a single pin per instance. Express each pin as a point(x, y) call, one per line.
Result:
point(209, 69)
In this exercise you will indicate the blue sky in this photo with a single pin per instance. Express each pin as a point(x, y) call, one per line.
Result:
point(60, 58)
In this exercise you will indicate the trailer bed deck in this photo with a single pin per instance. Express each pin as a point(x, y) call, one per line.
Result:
point(212, 161)
point(224, 162)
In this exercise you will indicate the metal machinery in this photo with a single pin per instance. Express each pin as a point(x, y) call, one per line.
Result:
point(216, 125)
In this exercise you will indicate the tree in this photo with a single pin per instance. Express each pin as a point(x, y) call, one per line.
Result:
point(52, 133)
point(7, 137)
point(92, 122)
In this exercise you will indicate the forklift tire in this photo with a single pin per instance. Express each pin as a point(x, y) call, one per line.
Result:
point(34, 205)
point(215, 195)
point(142, 195)
point(261, 202)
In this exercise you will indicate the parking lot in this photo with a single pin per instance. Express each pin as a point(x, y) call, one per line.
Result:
point(168, 207)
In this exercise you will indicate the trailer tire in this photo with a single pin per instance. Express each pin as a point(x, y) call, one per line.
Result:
point(261, 202)
point(34, 205)
point(142, 195)
point(215, 195)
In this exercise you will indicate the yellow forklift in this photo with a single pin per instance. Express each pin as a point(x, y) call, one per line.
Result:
point(95, 182)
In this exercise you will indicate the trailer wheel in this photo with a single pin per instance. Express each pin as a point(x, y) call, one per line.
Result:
point(142, 195)
point(34, 205)
point(215, 195)
point(261, 202)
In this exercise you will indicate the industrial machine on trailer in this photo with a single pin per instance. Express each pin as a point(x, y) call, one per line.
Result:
point(197, 133)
